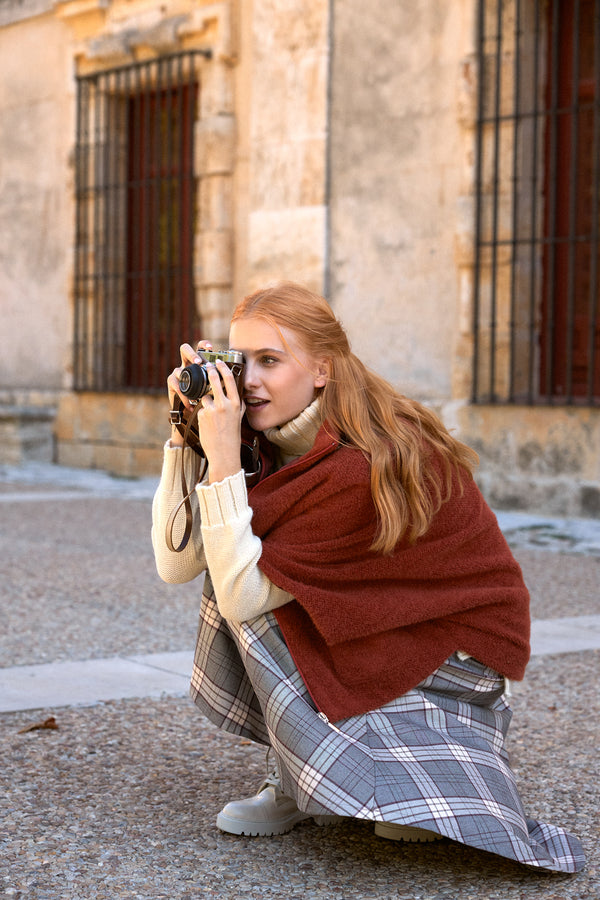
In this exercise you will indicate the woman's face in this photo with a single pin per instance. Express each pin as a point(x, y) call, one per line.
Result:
point(280, 379)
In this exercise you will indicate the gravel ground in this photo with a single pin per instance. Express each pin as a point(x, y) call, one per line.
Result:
point(560, 584)
point(119, 801)
point(79, 582)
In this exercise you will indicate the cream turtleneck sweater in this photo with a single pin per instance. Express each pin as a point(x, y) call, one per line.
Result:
point(222, 540)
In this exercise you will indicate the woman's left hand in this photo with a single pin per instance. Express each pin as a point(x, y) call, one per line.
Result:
point(220, 423)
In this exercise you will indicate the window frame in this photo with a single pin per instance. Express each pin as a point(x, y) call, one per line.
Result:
point(519, 299)
point(125, 340)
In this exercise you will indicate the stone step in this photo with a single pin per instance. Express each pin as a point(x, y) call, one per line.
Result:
point(26, 433)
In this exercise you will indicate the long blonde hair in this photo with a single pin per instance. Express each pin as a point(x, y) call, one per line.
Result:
point(398, 436)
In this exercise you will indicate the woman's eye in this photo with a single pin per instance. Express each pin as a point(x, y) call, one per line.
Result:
point(268, 360)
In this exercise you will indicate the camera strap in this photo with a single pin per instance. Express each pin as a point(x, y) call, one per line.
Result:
point(186, 425)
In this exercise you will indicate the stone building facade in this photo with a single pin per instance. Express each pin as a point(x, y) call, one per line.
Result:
point(333, 143)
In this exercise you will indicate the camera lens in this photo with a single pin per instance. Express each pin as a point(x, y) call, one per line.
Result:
point(193, 381)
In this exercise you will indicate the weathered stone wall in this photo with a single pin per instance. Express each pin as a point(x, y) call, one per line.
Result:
point(282, 116)
point(36, 138)
point(398, 162)
point(120, 433)
point(537, 458)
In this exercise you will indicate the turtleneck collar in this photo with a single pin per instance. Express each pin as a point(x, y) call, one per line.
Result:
point(296, 437)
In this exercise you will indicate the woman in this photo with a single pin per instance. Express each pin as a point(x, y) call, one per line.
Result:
point(361, 609)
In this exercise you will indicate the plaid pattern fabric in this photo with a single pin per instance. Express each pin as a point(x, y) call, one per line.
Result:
point(433, 758)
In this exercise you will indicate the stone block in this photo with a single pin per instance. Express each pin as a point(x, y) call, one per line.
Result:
point(214, 308)
point(288, 174)
point(287, 243)
point(216, 206)
point(216, 258)
point(146, 461)
point(75, 454)
point(217, 95)
point(26, 434)
point(215, 145)
point(112, 458)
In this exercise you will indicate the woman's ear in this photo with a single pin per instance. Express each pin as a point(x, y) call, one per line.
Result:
point(322, 373)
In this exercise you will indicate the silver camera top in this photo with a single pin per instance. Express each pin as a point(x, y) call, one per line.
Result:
point(228, 356)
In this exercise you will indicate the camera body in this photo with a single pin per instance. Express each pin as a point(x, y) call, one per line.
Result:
point(193, 381)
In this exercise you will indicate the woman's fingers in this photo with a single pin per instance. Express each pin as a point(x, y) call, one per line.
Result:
point(222, 382)
point(173, 389)
point(223, 385)
point(189, 355)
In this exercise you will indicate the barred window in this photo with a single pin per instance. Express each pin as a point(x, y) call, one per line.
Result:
point(135, 204)
point(537, 286)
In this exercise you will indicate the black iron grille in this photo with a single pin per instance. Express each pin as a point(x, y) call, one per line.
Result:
point(135, 203)
point(537, 285)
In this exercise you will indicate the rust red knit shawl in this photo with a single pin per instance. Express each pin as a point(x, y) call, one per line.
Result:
point(364, 628)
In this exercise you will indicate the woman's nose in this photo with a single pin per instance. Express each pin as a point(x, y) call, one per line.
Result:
point(250, 377)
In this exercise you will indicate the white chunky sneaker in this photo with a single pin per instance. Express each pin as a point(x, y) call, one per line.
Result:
point(268, 812)
point(405, 833)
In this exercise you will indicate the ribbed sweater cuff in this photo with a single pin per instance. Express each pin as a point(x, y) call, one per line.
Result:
point(171, 471)
point(223, 501)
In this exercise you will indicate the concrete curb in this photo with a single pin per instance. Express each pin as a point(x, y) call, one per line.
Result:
point(87, 682)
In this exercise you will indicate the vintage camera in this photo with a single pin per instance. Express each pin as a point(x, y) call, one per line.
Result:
point(193, 381)
point(194, 384)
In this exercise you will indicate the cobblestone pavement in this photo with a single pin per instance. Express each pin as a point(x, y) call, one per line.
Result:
point(119, 800)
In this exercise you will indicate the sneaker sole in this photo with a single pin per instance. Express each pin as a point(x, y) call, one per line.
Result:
point(259, 829)
point(405, 833)
point(268, 829)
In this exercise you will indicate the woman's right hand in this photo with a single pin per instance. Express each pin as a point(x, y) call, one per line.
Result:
point(188, 356)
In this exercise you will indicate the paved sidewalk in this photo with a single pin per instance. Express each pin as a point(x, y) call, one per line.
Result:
point(92, 681)
point(119, 800)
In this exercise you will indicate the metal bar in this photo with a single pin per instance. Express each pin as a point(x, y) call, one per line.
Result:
point(110, 212)
point(515, 199)
point(594, 299)
point(146, 282)
point(122, 274)
point(478, 199)
point(115, 274)
point(97, 228)
point(105, 230)
point(180, 325)
point(136, 143)
point(78, 341)
point(182, 314)
point(150, 323)
point(88, 212)
point(189, 197)
point(573, 184)
point(534, 248)
point(550, 296)
point(207, 53)
point(173, 132)
point(496, 186)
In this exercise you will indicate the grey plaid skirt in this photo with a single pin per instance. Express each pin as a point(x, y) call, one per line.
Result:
point(433, 758)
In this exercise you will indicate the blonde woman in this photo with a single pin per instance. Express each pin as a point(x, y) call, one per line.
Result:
point(361, 610)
